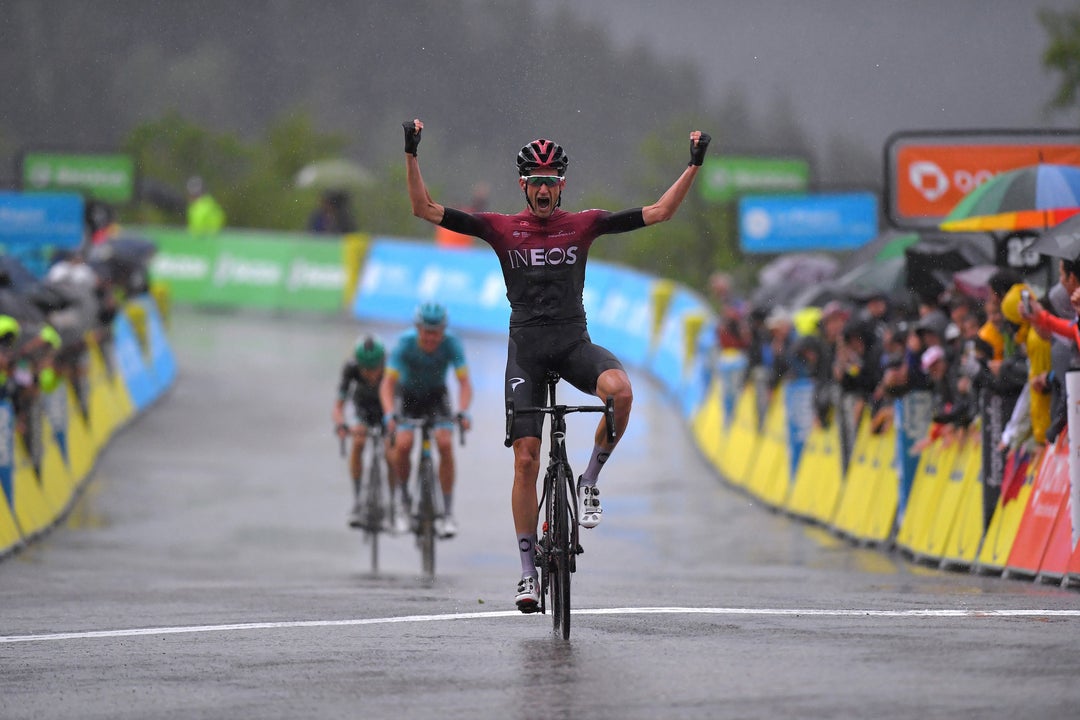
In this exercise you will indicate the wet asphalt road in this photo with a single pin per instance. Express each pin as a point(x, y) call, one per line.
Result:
point(208, 572)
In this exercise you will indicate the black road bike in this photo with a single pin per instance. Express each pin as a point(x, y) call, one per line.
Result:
point(558, 546)
point(372, 497)
point(429, 506)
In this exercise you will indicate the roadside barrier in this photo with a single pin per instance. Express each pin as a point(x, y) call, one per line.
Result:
point(122, 381)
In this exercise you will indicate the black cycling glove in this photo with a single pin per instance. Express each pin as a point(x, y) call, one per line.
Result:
point(412, 136)
point(697, 152)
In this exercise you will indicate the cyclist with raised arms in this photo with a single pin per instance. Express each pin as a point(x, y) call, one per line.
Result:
point(358, 394)
point(414, 386)
point(543, 250)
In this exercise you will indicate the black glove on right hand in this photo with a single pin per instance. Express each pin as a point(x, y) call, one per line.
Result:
point(412, 136)
point(697, 152)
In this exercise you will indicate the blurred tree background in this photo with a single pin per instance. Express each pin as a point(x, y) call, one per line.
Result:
point(246, 94)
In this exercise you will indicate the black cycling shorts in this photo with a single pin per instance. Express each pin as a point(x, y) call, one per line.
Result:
point(533, 351)
point(422, 405)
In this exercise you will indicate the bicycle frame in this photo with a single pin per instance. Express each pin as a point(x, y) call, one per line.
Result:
point(558, 546)
point(429, 501)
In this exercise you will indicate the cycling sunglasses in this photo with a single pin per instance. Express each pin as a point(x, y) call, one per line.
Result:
point(549, 180)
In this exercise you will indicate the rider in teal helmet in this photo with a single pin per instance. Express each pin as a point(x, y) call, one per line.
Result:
point(358, 390)
point(430, 315)
point(415, 387)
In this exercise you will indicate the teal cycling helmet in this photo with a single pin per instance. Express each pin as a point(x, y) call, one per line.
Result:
point(369, 352)
point(431, 315)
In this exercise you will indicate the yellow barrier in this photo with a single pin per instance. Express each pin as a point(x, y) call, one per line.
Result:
point(708, 425)
point(880, 518)
point(819, 477)
point(662, 292)
point(966, 527)
point(33, 513)
point(742, 441)
point(1005, 523)
point(770, 471)
point(858, 483)
point(926, 490)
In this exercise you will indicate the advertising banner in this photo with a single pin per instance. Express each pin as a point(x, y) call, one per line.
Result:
point(619, 310)
point(279, 271)
point(399, 275)
point(725, 178)
point(927, 174)
point(807, 222)
point(7, 451)
point(34, 225)
point(106, 177)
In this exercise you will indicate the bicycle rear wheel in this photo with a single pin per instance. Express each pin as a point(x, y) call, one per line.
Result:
point(426, 530)
point(563, 553)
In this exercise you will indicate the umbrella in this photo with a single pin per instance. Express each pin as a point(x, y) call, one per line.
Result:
point(1005, 201)
point(975, 281)
point(797, 269)
point(1060, 241)
point(332, 174)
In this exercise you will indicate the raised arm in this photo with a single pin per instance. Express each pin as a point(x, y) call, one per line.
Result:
point(664, 208)
point(423, 206)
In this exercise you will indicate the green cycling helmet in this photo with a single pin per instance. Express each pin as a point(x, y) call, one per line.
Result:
point(369, 352)
point(431, 315)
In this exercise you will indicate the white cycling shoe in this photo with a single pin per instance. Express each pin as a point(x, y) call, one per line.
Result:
point(589, 509)
point(528, 594)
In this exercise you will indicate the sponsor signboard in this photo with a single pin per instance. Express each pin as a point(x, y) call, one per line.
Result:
point(726, 178)
point(250, 269)
point(776, 224)
point(34, 225)
point(928, 174)
point(106, 177)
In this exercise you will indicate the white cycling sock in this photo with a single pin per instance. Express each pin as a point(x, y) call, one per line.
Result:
point(596, 463)
point(527, 551)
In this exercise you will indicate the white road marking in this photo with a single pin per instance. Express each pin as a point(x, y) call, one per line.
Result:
point(787, 612)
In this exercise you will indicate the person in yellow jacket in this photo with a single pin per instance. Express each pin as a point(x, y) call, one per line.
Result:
point(1038, 352)
point(204, 215)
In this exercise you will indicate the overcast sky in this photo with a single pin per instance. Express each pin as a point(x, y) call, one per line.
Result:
point(864, 68)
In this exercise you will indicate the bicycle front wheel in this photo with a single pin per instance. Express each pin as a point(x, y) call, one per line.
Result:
point(563, 553)
point(374, 509)
point(426, 530)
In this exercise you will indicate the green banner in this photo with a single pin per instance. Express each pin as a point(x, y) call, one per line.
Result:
point(726, 178)
point(279, 271)
point(110, 178)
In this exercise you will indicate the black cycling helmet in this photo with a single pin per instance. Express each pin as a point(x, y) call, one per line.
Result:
point(542, 154)
point(369, 352)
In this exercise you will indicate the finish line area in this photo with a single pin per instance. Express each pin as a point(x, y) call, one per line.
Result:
point(745, 612)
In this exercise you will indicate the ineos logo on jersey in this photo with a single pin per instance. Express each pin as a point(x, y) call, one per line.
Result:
point(514, 382)
point(543, 256)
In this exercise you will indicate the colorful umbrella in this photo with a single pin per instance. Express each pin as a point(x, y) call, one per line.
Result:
point(1033, 197)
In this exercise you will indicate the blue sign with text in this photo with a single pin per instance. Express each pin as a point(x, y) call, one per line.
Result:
point(34, 225)
point(786, 223)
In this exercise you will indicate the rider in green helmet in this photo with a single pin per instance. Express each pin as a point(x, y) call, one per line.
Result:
point(357, 408)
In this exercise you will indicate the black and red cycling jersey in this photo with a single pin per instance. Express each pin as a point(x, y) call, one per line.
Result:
point(543, 259)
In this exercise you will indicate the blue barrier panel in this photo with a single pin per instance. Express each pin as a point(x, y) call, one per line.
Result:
point(162, 360)
point(667, 362)
point(799, 398)
point(142, 386)
point(731, 367)
point(55, 405)
point(618, 304)
point(913, 415)
point(7, 451)
point(397, 275)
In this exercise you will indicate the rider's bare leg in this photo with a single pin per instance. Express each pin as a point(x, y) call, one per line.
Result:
point(611, 383)
point(523, 499)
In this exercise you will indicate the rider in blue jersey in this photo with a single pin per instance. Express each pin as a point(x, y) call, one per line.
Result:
point(414, 386)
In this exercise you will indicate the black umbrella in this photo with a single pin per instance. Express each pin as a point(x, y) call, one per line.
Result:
point(1060, 241)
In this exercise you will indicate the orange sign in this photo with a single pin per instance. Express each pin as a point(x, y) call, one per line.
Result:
point(930, 179)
